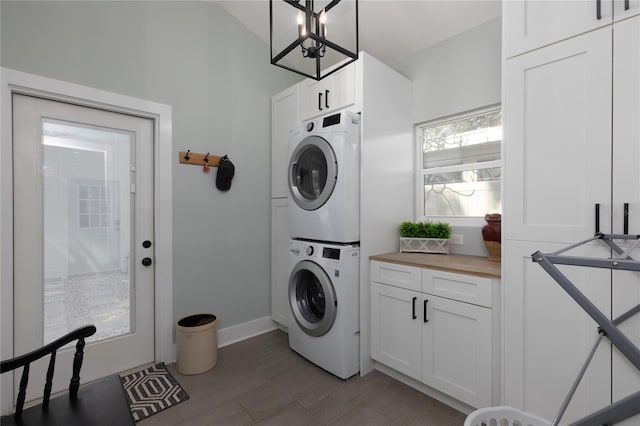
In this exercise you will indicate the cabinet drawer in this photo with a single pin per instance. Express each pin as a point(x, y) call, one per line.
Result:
point(396, 275)
point(465, 288)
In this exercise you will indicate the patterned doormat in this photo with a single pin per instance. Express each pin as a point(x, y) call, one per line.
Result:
point(151, 390)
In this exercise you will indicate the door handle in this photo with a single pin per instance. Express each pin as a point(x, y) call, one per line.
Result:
point(626, 4)
point(326, 98)
point(598, 9)
point(294, 174)
point(147, 261)
point(424, 317)
point(413, 303)
point(320, 101)
point(597, 218)
point(625, 220)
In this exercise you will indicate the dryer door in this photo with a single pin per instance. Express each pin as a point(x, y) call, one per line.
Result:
point(312, 298)
point(313, 172)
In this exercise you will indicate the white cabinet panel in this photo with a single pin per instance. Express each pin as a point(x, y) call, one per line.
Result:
point(557, 104)
point(395, 328)
point(530, 24)
point(465, 288)
point(284, 117)
point(279, 261)
point(408, 277)
point(547, 336)
point(626, 124)
point(456, 350)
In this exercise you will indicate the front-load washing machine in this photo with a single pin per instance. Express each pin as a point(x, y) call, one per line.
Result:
point(324, 305)
point(324, 179)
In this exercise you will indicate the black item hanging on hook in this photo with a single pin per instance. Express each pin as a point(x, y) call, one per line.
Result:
point(226, 170)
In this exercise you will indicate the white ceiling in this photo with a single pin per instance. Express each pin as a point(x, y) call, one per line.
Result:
point(390, 30)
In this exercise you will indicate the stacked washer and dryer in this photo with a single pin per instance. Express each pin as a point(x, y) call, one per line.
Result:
point(324, 253)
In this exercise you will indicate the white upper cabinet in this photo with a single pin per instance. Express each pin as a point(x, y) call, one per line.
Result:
point(557, 105)
point(329, 94)
point(530, 24)
point(623, 9)
point(284, 117)
point(626, 124)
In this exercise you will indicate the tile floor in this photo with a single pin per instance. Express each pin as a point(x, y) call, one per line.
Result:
point(261, 381)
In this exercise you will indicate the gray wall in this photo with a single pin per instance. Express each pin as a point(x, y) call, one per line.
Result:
point(458, 75)
point(217, 77)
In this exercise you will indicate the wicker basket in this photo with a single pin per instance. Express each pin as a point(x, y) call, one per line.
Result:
point(424, 245)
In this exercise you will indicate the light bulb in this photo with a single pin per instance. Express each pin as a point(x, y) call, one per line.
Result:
point(302, 31)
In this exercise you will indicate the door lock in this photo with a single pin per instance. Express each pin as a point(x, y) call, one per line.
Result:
point(146, 244)
point(147, 261)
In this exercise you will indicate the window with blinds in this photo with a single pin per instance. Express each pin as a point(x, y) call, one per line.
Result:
point(460, 174)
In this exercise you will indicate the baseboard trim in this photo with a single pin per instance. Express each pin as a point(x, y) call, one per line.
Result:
point(246, 330)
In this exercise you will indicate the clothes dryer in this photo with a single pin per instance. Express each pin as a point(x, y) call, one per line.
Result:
point(324, 179)
point(324, 305)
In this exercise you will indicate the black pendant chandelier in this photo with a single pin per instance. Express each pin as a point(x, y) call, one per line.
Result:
point(313, 38)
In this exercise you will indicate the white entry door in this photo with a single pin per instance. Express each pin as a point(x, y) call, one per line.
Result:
point(83, 236)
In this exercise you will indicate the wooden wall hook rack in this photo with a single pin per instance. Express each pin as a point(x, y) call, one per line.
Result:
point(198, 159)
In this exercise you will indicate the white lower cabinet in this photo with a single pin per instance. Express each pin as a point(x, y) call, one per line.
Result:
point(445, 343)
point(456, 349)
point(395, 330)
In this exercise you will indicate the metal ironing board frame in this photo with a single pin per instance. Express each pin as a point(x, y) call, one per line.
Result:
point(629, 406)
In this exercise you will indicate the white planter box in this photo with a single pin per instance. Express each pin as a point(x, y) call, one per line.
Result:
point(424, 245)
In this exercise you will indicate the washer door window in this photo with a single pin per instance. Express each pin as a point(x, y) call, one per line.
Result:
point(313, 171)
point(312, 298)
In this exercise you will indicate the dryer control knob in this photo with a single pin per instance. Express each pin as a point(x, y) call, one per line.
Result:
point(309, 126)
point(309, 250)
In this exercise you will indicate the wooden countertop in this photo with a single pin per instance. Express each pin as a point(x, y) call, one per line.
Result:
point(462, 263)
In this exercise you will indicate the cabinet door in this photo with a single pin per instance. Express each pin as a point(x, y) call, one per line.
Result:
point(456, 349)
point(329, 94)
point(547, 336)
point(626, 178)
point(284, 117)
point(557, 106)
point(623, 9)
point(279, 261)
point(395, 328)
point(530, 24)
point(626, 124)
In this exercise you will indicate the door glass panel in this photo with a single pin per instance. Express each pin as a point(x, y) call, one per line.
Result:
point(311, 174)
point(310, 297)
point(87, 228)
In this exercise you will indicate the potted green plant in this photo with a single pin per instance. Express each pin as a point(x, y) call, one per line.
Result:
point(425, 237)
